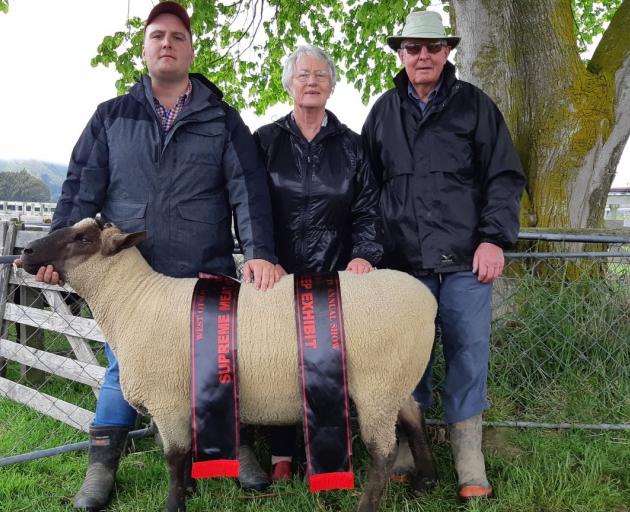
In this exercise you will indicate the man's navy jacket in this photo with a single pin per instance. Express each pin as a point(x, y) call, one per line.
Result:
point(181, 187)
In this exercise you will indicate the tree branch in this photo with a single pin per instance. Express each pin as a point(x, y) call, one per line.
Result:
point(612, 58)
point(614, 47)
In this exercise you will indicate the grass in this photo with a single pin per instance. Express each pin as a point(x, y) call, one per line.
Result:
point(533, 471)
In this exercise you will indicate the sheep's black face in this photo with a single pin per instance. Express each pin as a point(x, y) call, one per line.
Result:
point(57, 249)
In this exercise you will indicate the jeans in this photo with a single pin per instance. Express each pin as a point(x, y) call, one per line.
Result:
point(112, 410)
point(464, 316)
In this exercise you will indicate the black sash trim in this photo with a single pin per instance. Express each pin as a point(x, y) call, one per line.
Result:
point(214, 378)
point(322, 362)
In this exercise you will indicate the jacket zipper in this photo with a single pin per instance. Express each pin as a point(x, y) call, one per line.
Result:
point(307, 191)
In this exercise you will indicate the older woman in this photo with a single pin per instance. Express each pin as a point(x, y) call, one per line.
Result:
point(324, 198)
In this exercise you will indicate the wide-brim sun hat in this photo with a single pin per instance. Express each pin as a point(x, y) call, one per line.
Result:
point(422, 25)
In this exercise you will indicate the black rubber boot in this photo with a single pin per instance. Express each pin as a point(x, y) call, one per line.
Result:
point(251, 476)
point(107, 445)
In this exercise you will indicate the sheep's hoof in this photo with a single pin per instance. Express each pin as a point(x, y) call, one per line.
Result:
point(191, 488)
point(175, 505)
point(423, 485)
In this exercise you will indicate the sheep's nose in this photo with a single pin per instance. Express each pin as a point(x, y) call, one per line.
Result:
point(27, 250)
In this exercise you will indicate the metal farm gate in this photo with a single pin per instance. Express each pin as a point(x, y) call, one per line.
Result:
point(560, 348)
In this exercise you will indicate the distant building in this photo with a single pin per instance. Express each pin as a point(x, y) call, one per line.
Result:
point(27, 211)
point(618, 206)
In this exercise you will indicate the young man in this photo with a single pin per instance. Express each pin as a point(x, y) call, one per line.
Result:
point(174, 160)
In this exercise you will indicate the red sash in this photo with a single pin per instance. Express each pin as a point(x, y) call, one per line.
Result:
point(214, 384)
point(322, 362)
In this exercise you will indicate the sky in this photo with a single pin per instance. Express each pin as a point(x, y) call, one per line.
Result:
point(48, 90)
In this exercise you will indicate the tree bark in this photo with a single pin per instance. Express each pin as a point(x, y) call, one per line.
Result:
point(570, 121)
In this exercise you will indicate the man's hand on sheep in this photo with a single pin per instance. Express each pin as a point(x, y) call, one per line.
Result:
point(261, 273)
point(488, 262)
point(359, 266)
point(45, 274)
point(49, 275)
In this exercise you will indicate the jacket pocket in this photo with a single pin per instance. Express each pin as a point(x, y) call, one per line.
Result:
point(200, 148)
point(202, 231)
point(207, 210)
point(460, 180)
point(126, 215)
point(391, 173)
point(204, 130)
point(464, 171)
point(395, 193)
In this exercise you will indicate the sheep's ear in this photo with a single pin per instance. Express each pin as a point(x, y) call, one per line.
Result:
point(117, 242)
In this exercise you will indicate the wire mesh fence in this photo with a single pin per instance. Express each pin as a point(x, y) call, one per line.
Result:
point(560, 346)
point(560, 349)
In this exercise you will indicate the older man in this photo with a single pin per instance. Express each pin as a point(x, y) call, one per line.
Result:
point(450, 187)
point(174, 160)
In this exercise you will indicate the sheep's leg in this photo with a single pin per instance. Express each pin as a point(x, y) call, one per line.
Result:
point(189, 482)
point(378, 430)
point(176, 434)
point(377, 476)
point(177, 461)
point(411, 419)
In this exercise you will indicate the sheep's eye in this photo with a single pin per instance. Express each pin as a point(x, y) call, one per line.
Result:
point(82, 239)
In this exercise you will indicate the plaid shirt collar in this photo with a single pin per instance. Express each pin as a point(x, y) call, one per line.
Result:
point(167, 117)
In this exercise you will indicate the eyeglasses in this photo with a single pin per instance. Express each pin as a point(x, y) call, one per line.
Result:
point(320, 76)
point(416, 48)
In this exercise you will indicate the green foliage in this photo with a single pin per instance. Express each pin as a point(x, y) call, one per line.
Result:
point(4, 6)
point(23, 186)
point(241, 45)
point(591, 18)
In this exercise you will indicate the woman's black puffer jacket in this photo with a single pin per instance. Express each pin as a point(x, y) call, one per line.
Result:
point(324, 197)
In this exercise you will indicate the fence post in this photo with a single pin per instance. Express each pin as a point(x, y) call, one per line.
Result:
point(8, 232)
point(31, 336)
point(27, 335)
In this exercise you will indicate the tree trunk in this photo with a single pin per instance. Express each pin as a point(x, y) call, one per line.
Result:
point(570, 122)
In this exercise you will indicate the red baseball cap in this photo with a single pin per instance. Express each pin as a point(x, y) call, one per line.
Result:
point(169, 8)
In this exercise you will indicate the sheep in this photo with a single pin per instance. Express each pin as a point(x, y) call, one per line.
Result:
point(389, 320)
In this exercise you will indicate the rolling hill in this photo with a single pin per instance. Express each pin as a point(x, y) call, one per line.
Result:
point(50, 173)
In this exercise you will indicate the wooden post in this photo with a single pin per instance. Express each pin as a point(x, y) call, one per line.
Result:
point(7, 244)
point(31, 336)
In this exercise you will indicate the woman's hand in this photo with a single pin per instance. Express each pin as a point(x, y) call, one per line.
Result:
point(279, 272)
point(359, 266)
point(260, 272)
